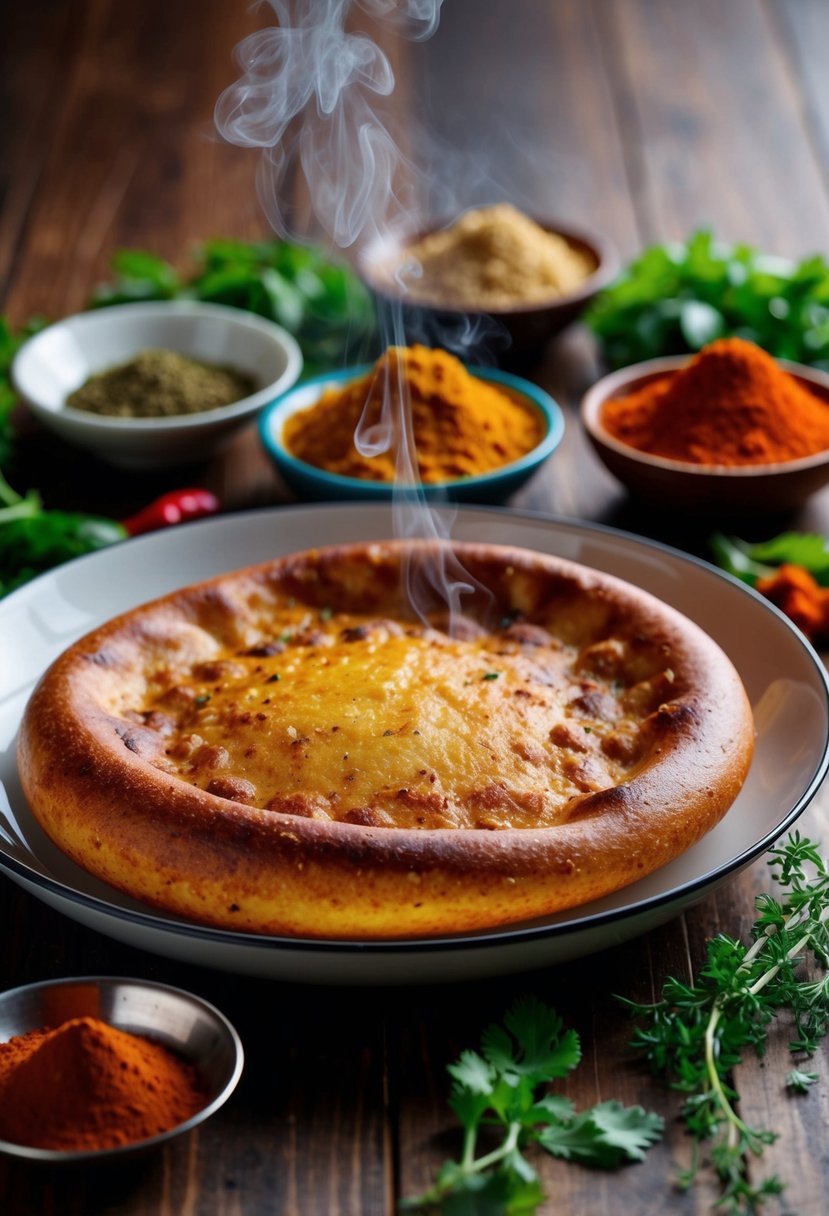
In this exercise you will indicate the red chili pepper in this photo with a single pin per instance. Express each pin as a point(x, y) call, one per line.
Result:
point(175, 508)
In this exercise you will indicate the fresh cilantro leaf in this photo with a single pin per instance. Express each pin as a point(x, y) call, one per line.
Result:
point(605, 1137)
point(473, 1072)
point(517, 1164)
point(700, 323)
point(630, 1129)
point(469, 1100)
point(541, 1050)
point(574, 1141)
point(551, 1108)
point(499, 1088)
point(751, 562)
point(35, 543)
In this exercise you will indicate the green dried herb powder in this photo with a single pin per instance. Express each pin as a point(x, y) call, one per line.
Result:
point(159, 384)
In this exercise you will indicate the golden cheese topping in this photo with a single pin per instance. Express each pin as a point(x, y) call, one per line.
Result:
point(391, 723)
point(289, 749)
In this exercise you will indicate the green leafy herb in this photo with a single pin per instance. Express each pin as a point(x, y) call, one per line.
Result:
point(698, 1032)
point(799, 1081)
point(323, 304)
point(33, 540)
point(490, 675)
point(10, 343)
point(608, 1135)
point(749, 562)
point(675, 299)
point(501, 1088)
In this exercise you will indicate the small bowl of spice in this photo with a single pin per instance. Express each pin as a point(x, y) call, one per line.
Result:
point(148, 385)
point(98, 1067)
point(500, 281)
point(731, 429)
point(416, 419)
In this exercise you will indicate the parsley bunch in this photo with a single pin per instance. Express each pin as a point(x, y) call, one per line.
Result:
point(675, 298)
point(697, 1033)
point(322, 303)
point(500, 1090)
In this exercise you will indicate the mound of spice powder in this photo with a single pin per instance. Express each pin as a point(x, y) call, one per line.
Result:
point(492, 258)
point(87, 1086)
point(461, 425)
point(732, 404)
point(161, 384)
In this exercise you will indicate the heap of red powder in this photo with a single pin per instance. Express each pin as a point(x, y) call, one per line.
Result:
point(87, 1085)
point(730, 405)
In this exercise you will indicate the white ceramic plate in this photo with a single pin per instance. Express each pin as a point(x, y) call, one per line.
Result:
point(784, 678)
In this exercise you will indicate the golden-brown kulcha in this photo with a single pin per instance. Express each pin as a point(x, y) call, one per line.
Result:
point(290, 749)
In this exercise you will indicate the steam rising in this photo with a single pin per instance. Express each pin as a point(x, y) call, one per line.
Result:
point(310, 96)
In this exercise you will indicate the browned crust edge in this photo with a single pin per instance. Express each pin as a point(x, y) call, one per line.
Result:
point(233, 866)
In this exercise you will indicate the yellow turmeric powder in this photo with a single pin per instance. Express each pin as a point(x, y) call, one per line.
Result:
point(462, 426)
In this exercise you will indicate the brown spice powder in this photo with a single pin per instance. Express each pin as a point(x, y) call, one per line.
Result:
point(492, 258)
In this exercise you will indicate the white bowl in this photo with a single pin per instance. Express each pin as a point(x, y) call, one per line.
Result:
point(62, 357)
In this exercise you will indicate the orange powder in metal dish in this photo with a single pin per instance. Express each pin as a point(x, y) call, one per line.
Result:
point(730, 405)
point(89, 1086)
point(462, 426)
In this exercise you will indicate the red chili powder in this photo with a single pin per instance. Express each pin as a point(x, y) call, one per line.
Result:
point(730, 405)
point(87, 1085)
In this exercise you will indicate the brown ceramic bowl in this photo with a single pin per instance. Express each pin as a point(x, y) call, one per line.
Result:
point(514, 335)
point(766, 488)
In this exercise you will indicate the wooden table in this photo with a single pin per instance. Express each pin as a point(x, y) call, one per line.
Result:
point(645, 119)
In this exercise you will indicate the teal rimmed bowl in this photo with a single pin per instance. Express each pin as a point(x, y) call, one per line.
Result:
point(316, 485)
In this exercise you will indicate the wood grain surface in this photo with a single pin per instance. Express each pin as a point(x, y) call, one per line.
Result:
point(643, 118)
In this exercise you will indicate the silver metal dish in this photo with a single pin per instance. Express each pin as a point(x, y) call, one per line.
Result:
point(184, 1023)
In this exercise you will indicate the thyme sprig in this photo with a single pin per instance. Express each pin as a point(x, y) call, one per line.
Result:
point(697, 1033)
